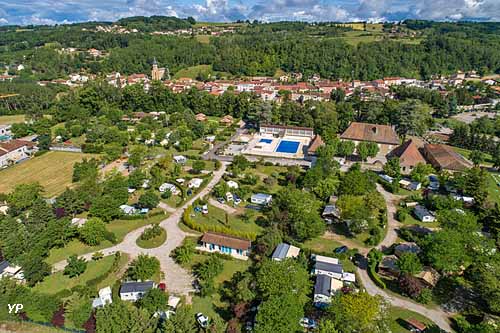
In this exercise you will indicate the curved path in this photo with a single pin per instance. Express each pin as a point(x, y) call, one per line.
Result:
point(177, 279)
point(437, 315)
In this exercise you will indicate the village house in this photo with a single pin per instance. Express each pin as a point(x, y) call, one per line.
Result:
point(284, 250)
point(331, 267)
point(103, 298)
point(12, 271)
point(383, 135)
point(388, 266)
point(403, 248)
point(234, 246)
point(331, 213)
point(14, 151)
point(133, 291)
point(324, 288)
point(316, 142)
point(409, 156)
point(443, 157)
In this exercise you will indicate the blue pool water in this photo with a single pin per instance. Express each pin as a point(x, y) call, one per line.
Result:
point(289, 147)
point(268, 141)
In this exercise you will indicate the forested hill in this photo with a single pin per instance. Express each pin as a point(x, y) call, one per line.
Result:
point(415, 49)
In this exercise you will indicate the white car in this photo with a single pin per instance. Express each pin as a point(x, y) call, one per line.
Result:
point(202, 320)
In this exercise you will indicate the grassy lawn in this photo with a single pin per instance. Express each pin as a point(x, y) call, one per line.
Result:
point(193, 71)
point(217, 217)
point(396, 316)
point(173, 201)
point(7, 120)
point(321, 244)
point(211, 305)
point(119, 227)
point(488, 159)
point(58, 281)
point(28, 327)
point(53, 170)
point(153, 242)
point(204, 39)
point(411, 220)
point(494, 186)
point(115, 276)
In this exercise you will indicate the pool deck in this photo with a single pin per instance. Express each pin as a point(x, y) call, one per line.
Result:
point(271, 146)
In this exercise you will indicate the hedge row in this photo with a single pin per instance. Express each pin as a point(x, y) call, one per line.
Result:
point(375, 277)
point(186, 218)
point(95, 281)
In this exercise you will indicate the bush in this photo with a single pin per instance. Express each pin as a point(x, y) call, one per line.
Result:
point(425, 296)
point(151, 233)
point(401, 214)
point(375, 277)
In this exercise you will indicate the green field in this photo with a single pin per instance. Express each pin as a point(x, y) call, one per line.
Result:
point(494, 186)
point(119, 227)
point(204, 39)
point(24, 327)
point(193, 71)
point(53, 170)
point(217, 217)
point(396, 316)
point(7, 120)
point(153, 242)
point(58, 281)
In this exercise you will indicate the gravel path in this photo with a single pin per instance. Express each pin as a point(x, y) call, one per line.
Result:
point(226, 208)
point(177, 279)
point(393, 225)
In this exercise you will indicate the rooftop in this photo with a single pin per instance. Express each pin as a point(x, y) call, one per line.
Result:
point(130, 287)
point(226, 240)
point(371, 132)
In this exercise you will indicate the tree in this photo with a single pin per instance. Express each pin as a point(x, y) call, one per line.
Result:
point(413, 118)
point(23, 197)
point(345, 148)
point(198, 166)
point(149, 200)
point(356, 182)
point(392, 168)
point(476, 157)
point(284, 277)
point(358, 312)
point(182, 322)
point(297, 213)
point(184, 253)
point(410, 285)
point(444, 250)
point(279, 314)
point(78, 309)
point(154, 300)
point(367, 149)
point(121, 317)
point(485, 276)
point(420, 173)
point(75, 266)
point(143, 268)
point(327, 326)
point(408, 263)
point(35, 269)
point(93, 232)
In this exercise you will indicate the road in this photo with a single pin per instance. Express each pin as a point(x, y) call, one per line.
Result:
point(391, 201)
point(177, 279)
point(437, 315)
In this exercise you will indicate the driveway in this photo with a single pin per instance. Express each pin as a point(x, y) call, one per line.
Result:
point(226, 208)
point(393, 225)
point(177, 279)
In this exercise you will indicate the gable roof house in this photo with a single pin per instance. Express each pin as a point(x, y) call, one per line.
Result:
point(324, 288)
point(105, 297)
point(234, 246)
point(423, 214)
point(14, 151)
point(383, 135)
point(133, 291)
point(284, 251)
point(331, 267)
point(443, 157)
point(409, 156)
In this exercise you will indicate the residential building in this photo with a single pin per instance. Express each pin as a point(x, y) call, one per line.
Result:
point(225, 244)
point(12, 271)
point(314, 145)
point(331, 267)
point(133, 291)
point(261, 199)
point(284, 250)
point(322, 291)
point(423, 214)
point(409, 156)
point(331, 213)
point(14, 151)
point(443, 157)
point(103, 298)
point(383, 135)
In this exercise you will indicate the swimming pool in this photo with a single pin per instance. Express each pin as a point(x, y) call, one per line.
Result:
point(268, 141)
point(289, 147)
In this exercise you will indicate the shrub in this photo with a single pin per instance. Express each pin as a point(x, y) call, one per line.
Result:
point(401, 214)
point(425, 296)
point(151, 233)
point(375, 277)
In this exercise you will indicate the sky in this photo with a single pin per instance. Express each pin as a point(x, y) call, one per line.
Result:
point(68, 11)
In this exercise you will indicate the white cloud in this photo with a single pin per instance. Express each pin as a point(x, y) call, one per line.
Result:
point(3, 20)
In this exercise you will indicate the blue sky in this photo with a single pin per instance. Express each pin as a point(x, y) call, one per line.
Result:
point(66, 11)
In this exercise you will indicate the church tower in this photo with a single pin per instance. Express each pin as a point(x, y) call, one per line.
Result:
point(157, 73)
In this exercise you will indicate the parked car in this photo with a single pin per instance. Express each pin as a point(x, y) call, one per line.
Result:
point(308, 323)
point(202, 320)
point(237, 200)
point(341, 249)
point(221, 200)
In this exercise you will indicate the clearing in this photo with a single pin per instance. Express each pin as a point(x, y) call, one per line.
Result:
point(7, 120)
point(53, 170)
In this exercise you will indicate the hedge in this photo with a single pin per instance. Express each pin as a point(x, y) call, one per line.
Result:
point(186, 218)
point(95, 281)
point(375, 277)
